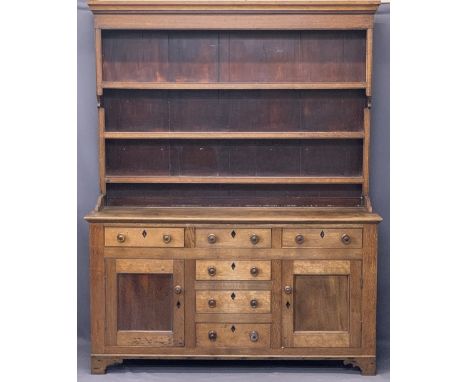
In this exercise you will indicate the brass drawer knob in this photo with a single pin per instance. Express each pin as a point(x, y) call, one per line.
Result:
point(177, 289)
point(253, 303)
point(253, 336)
point(254, 271)
point(167, 239)
point(212, 335)
point(254, 239)
point(346, 239)
point(299, 239)
point(288, 289)
point(211, 238)
point(211, 271)
point(212, 303)
point(120, 237)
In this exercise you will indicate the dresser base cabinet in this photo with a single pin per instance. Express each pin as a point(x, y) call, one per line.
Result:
point(233, 290)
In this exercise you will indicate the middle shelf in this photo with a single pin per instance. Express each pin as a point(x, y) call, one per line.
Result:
point(236, 179)
point(234, 135)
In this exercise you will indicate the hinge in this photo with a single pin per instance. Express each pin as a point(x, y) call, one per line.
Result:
point(99, 101)
point(369, 102)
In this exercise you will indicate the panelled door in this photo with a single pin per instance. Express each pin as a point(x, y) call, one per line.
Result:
point(321, 303)
point(144, 302)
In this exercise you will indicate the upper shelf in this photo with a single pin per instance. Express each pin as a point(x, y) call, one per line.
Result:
point(232, 85)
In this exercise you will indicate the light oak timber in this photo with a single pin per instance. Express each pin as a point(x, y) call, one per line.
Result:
point(366, 364)
point(366, 150)
point(144, 237)
point(239, 318)
point(233, 301)
point(231, 215)
point(110, 6)
point(233, 269)
point(227, 337)
point(102, 151)
point(341, 277)
point(280, 21)
point(236, 135)
point(178, 329)
point(190, 315)
point(322, 238)
point(233, 285)
point(144, 266)
point(325, 339)
point(111, 302)
point(233, 237)
point(369, 42)
point(235, 179)
point(220, 254)
point(273, 226)
point(99, 364)
point(319, 267)
point(233, 85)
point(369, 289)
point(97, 287)
point(144, 338)
point(240, 353)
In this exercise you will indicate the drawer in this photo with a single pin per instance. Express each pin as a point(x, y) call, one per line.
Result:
point(238, 301)
point(233, 270)
point(233, 238)
point(233, 335)
point(322, 238)
point(144, 237)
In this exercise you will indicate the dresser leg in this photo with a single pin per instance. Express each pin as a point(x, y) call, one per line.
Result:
point(366, 364)
point(99, 364)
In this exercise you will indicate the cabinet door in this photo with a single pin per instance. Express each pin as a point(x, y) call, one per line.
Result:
point(321, 303)
point(144, 302)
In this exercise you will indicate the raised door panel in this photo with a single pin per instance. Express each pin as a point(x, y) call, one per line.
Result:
point(321, 303)
point(144, 302)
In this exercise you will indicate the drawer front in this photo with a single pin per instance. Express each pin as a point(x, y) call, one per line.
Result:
point(238, 301)
point(233, 238)
point(144, 237)
point(233, 270)
point(233, 335)
point(322, 238)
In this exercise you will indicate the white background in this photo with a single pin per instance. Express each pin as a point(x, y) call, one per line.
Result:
point(428, 190)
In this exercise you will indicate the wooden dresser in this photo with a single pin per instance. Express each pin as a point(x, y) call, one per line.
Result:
point(234, 220)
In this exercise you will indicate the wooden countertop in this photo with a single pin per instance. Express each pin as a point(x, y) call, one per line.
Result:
point(232, 215)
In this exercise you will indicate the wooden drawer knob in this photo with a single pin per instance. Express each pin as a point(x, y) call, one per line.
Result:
point(211, 238)
point(254, 271)
point(254, 239)
point(167, 239)
point(299, 239)
point(288, 289)
point(253, 303)
point(120, 237)
point(253, 336)
point(346, 239)
point(212, 303)
point(212, 335)
point(211, 271)
point(177, 289)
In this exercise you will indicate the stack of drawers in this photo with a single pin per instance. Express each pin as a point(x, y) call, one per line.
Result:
point(233, 297)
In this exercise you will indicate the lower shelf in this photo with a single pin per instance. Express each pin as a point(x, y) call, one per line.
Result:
point(235, 179)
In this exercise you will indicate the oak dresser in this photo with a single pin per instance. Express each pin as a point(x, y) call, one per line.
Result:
point(234, 220)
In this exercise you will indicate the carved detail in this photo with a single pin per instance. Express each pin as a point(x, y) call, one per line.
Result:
point(99, 365)
point(366, 364)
